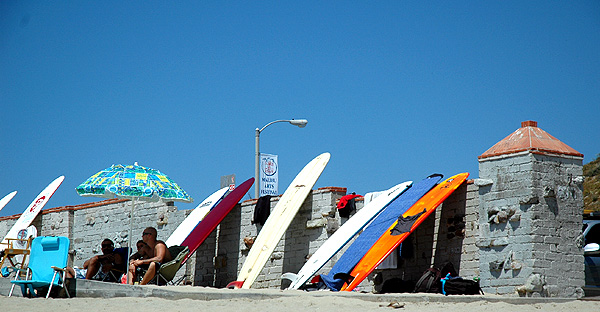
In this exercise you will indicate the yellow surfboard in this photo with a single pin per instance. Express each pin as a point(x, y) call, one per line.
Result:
point(279, 220)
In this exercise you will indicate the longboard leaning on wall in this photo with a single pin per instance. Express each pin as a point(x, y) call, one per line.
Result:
point(187, 226)
point(343, 235)
point(32, 211)
point(279, 220)
point(392, 238)
point(336, 278)
point(214, 217)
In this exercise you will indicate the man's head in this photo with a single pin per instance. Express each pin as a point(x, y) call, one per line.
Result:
point(149, 235)
point(107, 246)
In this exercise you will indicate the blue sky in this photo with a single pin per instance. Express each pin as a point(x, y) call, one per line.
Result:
point(394, 90)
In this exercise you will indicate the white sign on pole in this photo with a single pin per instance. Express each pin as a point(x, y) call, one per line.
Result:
point(269, 175)
point(228, 181)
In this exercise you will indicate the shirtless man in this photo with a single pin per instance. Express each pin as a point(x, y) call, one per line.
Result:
point(159, 255)
point(99, 266)
point(103, 263)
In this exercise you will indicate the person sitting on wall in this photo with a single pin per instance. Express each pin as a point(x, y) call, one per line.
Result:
point(159, 254)
point(97, 267)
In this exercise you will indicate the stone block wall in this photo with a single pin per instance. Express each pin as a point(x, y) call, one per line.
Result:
point(87, 225)
point(516, 225)
point(556, 223)
point(530, 217)
point(215, 262)
point(113, 221)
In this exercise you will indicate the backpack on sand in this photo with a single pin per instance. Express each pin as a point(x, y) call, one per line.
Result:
point(460, 286)
point(430, 281)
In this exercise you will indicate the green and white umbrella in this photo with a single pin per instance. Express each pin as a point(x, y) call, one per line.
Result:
point(133, 182)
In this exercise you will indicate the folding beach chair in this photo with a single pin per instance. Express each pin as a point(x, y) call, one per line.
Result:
point(167, 270)
point(47, 266)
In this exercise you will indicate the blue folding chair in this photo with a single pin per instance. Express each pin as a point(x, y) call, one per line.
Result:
point(47, 265)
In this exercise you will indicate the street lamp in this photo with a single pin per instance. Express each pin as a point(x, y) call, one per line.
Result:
point(301, 123)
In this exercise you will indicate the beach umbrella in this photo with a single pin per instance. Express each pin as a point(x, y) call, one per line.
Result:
point(133, 182)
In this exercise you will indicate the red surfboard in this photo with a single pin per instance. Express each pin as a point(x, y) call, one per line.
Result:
point(214, 217)
point(390, 241)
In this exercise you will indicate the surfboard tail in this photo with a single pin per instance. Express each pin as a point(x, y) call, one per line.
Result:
point(235, 285)
point(351, 284)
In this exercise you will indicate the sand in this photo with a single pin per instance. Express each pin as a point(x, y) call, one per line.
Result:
point(284, 304)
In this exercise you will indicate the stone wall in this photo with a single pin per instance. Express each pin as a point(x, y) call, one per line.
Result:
point(87, 225)
point(536, 201)
point(530, 217)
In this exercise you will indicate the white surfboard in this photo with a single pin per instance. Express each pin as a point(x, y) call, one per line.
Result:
point(6, 199)
point(279, 220)
point(32, 211)
point(187, 226)
point(343, 235)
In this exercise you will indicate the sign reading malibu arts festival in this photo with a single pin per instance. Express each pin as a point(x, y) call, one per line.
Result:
point(269, 175)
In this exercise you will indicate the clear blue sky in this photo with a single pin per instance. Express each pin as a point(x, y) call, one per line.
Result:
point(394, 90)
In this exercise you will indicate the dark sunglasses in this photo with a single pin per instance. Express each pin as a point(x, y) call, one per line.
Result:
point(106, 246)
point(146, 233)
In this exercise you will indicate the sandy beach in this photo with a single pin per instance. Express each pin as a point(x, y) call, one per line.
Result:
point(288, 304)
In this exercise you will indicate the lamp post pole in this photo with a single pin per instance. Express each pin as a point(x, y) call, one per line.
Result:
point(301, 123)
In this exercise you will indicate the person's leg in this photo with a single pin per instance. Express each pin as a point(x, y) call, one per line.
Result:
point(70, 272)
point(131, 274)
point(149, 274)
point(93, 266)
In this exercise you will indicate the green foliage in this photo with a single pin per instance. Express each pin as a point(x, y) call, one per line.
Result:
point(591, 185)
point(592, 168)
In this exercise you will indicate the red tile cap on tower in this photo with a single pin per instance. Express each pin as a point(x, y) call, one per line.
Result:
point(530, 138)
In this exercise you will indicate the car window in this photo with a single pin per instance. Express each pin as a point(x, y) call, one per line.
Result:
point(593, 236)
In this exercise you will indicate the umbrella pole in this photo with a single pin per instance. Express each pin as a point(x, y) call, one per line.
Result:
point(129, 236)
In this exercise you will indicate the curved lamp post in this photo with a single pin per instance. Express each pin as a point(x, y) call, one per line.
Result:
point(301, 123)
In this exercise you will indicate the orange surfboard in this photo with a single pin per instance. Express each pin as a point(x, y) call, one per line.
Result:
point(388, 242)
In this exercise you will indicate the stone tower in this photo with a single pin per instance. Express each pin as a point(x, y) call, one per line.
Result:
point(530, 216)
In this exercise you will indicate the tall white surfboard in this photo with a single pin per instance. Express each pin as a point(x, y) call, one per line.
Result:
point(279, 220)
point(32, 211)
point(6, 199)
point(187, 226)
point(343, 235)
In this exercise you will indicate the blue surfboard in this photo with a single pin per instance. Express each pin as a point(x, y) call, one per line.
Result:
point(335, 279)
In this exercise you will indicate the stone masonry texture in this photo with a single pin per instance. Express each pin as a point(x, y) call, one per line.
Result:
point(514, 227)
point(530, 218)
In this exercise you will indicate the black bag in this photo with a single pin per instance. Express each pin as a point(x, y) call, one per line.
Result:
point(429, 281)
point(460, 286)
